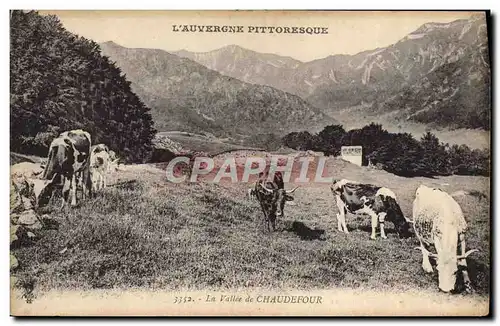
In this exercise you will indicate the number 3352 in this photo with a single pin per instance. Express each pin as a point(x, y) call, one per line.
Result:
point(182, 299)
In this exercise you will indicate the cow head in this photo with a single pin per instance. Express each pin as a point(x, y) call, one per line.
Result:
point(402, 228)
point(40, 190)
point(280, 196)
point(447, 267)
point(396, 216)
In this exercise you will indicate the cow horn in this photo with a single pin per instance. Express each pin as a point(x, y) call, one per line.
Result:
point(291, 191)
point(430, 254)
point(266, 189)
point(467, 254)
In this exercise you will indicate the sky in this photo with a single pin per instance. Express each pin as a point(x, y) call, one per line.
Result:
point(348, 32)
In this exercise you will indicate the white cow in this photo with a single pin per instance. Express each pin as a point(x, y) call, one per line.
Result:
point(440, 225)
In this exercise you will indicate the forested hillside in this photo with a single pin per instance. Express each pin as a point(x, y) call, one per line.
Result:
point(60, 81)
point(397, 153)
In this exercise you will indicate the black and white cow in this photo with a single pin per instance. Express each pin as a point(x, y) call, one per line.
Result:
point(379, 203)
point(69, 159)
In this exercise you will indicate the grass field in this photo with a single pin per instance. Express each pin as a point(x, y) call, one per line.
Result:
point(144, 232)
point(201, 143)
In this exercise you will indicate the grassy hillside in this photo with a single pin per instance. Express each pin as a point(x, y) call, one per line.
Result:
point(201, 143)
point(145, 232)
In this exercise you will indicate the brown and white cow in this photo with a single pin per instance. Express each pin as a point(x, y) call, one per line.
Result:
point(272, 197)
point(69, 158)
point(100, 162)
point(379, 203)
point(440, 227)
point(113, 161)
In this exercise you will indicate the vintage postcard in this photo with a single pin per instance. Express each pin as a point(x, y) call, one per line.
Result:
point(250, 163)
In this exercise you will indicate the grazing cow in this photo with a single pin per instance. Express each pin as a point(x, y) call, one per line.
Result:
point(272, 197)
point(113, 161)
point(99, 166)
point(439, 224)
point(379, 203)
point(69, 158)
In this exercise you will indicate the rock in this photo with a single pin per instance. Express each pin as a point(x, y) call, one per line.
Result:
point(29, 220)
point(16, 202)
point(36, 226)
point(28, 217)
point(31, 235)
point(13, 262)
point(13, 233)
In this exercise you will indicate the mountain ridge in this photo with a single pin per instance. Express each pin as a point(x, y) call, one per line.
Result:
point(185, 95)
point(371, 76)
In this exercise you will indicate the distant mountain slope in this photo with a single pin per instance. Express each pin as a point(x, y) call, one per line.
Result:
point(455, 95)
point(246, 65)
point(340, 81)
point(187, 96)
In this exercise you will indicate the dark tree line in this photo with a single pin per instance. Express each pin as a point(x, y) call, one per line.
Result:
point(60, 81)
point(398, 153)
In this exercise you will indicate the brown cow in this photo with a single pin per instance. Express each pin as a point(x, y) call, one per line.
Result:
point(272, 197)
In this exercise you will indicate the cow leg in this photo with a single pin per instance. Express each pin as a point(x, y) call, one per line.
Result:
point(381, 220)
point(462, 265)
point(79, 183)
point(73, 190)
point(341, 224)
point(87, 185)
point(374, 218)
point(262, 205)
point(273, 223)
point(426, 264)
point(66, 190)
point(344, 222)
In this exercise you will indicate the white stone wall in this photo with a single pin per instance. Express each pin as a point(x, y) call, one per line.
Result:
point(353, 154)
